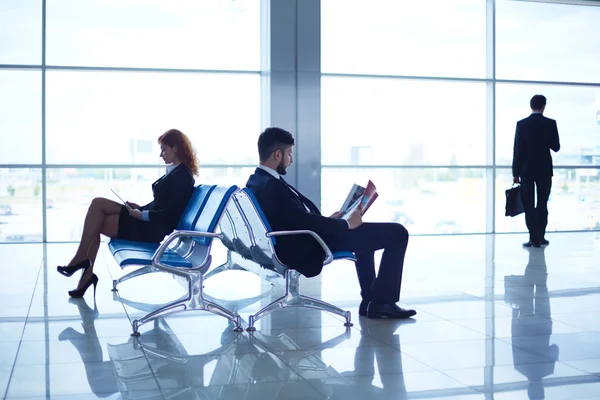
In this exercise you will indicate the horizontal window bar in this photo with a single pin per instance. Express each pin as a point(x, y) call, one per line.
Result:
point(425, 78)
point(20, 66)
point(130, 166)
point(406, 166)
point(127, 69)
point(555, 83)
point(558, 166)
point(341, 166)
point(452, 166)
point(343, 75)
point(590, 3)
point(440, 78)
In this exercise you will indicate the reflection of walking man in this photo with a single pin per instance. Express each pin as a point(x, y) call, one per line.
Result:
point(531, 324)
point(535, 136)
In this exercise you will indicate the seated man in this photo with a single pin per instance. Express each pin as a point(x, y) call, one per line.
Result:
point(286, 209)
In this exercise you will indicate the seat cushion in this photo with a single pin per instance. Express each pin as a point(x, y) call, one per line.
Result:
point(339, 255)
point(128, 253)
point(126, 257)
point(119, 244)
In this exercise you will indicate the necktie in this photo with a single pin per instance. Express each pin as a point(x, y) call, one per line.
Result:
point(295, 194)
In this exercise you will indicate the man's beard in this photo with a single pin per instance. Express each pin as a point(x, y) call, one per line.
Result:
point(281, 170)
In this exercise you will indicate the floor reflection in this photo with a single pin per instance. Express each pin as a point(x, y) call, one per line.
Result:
point(90, 350)
point(365, 380)
point(236, 369)
point(531, 316)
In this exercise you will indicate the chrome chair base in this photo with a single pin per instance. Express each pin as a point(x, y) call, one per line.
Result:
point(194, 301)
point(293, 298)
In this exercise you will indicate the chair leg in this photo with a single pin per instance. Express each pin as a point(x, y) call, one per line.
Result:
point(138, 272)
point(218, 310)
point(268, 309)
point(193, 301)
point(161, 312)
point(293, 298)
point(228, 265)
point(311, 302)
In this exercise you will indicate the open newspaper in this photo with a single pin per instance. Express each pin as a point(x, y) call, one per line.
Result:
point(359, 198)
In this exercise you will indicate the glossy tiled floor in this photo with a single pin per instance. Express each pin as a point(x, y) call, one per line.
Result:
point(494, 321)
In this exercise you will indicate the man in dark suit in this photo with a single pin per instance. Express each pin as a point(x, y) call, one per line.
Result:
point(287, 209)
point(535, 136)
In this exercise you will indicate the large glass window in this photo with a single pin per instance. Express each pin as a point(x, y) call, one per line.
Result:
point(20, 117)
point(20, 205)
point(547, 42)
point(576, 110)
point(425, 200)
point(388, 121)
point(70, 191)
point(405, 101)
point(121, 114)
point(68, 125)
point(20, 32)
point(216, 34)
point(392, 37)
point(574, 202)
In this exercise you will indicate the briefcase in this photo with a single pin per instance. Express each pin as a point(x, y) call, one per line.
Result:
point(514, 203)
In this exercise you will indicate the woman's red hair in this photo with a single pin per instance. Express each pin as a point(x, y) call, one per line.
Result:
point(186, 152)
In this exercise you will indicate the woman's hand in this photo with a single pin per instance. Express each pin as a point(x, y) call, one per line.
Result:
point(137, 214)
point(133, 205)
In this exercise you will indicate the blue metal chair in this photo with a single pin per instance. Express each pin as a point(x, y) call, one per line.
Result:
point(185, 254)
point(261, 242)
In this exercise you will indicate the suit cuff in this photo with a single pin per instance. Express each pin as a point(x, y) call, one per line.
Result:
point(348, 222)
point(146, 215)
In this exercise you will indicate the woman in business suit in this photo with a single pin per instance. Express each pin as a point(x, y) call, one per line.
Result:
point(150, 223)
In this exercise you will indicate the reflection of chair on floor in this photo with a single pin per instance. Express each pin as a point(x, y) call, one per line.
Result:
point(299, 359)
point(239, 364)
point(177, 372)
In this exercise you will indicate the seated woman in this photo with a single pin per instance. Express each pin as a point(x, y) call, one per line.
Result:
point(150, 223)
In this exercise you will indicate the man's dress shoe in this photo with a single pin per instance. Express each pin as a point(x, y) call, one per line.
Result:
point(389, 310)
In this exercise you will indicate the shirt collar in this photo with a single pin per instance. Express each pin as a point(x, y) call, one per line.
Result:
point(535, 112)
point(170, 168)
point(270, 171)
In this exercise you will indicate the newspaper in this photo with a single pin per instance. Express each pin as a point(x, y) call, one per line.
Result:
point(359, 198)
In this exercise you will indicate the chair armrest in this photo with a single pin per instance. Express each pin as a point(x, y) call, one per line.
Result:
point(328, 254)
point(176, 235)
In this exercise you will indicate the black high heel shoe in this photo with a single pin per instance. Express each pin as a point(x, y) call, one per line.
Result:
point(70, 270)
point(80, 292)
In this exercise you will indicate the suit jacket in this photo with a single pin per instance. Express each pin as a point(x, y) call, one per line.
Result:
point(535, 136)
point(285, 210)
point(171, 193)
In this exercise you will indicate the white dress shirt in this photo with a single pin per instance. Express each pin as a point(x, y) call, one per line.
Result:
point(278, 176)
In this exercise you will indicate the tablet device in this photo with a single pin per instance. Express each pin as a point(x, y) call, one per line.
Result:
point(122, 201)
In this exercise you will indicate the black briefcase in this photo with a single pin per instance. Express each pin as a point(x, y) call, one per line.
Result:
point(514, 203)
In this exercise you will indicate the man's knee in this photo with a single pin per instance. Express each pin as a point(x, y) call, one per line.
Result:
point(400, 232)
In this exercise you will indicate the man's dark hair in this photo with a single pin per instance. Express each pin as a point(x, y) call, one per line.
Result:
point(537, 102)
point(273, 139)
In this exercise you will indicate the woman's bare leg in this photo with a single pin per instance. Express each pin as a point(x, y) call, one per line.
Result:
point(99, 210)
point(110, 228)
